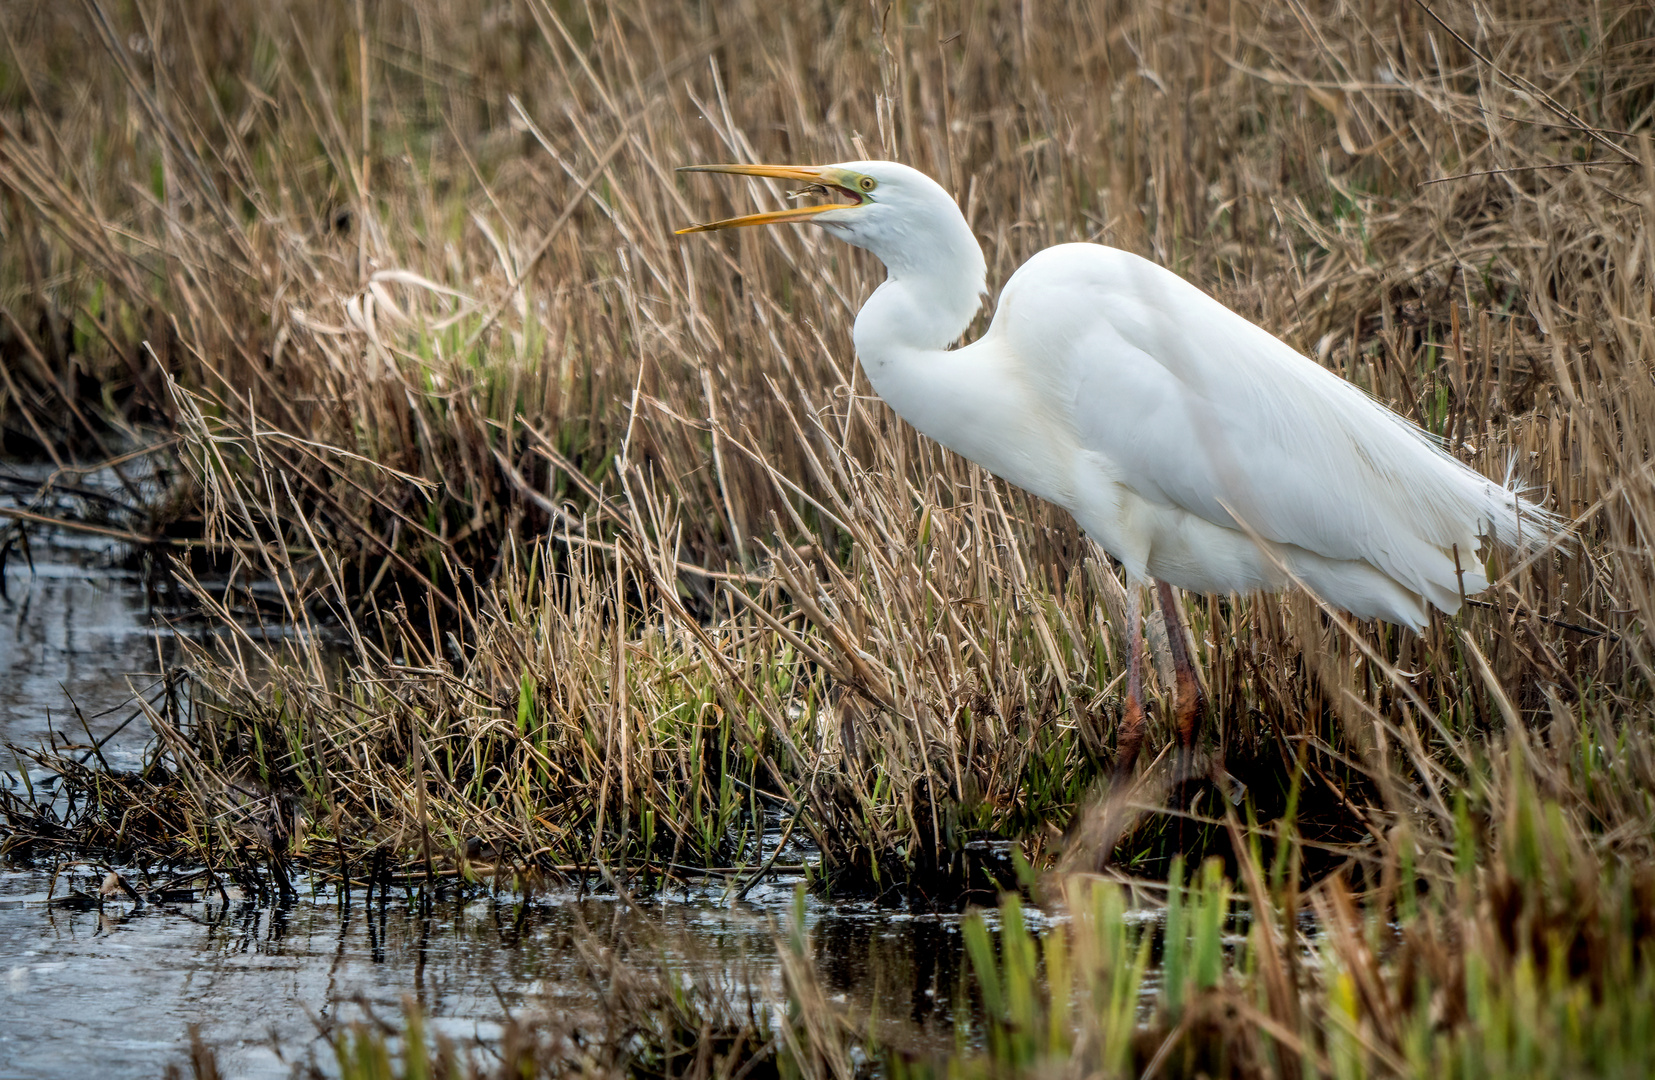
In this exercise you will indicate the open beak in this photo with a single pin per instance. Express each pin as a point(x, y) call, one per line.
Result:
point(822, 178)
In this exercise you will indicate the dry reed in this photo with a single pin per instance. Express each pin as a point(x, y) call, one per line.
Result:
point(596, 549)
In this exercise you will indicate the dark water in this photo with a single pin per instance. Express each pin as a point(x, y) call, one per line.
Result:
point(111, 991)
point(77, 631)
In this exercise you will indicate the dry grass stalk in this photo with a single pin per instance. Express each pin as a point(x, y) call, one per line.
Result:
point(621, 549)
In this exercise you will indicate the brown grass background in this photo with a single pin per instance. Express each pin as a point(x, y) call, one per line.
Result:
point(393, 287)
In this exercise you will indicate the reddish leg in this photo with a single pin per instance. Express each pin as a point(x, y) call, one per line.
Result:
point(1130, 736)
point(1188, 701)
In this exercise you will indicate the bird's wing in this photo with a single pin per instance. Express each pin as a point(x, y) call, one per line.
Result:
point(1197, 408)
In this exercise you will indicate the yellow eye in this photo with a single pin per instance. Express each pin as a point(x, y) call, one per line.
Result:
point(867, 183)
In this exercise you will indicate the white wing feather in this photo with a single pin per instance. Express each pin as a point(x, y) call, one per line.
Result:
point(1201, 410)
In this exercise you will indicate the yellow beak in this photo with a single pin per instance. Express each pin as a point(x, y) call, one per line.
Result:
point(822, 176)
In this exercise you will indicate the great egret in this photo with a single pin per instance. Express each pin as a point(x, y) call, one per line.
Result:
point(1192, 445)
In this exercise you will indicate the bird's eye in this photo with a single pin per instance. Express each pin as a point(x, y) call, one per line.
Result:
point(867, 183)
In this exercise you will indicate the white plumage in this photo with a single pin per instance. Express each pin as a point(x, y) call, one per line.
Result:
point(1194, 446)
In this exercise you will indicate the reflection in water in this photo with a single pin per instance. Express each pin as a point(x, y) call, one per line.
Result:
point(74, 630)
point(113, 991)
point(910, 964)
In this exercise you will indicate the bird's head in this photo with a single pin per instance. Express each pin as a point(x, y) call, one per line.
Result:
point(901, 215)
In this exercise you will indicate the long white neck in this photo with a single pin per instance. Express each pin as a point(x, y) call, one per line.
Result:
point(933, 290)
point(974, 400)
point(969, 399)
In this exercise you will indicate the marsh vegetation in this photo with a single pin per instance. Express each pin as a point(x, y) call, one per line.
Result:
point(594, 558)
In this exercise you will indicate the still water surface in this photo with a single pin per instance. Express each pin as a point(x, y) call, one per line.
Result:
point(77, 631)
point(112, 992)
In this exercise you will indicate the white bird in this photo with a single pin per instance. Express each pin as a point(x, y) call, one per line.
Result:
point(1195, 447)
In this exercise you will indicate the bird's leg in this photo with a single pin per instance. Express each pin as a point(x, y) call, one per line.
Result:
point(1130, 735)
point(1188, 701)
